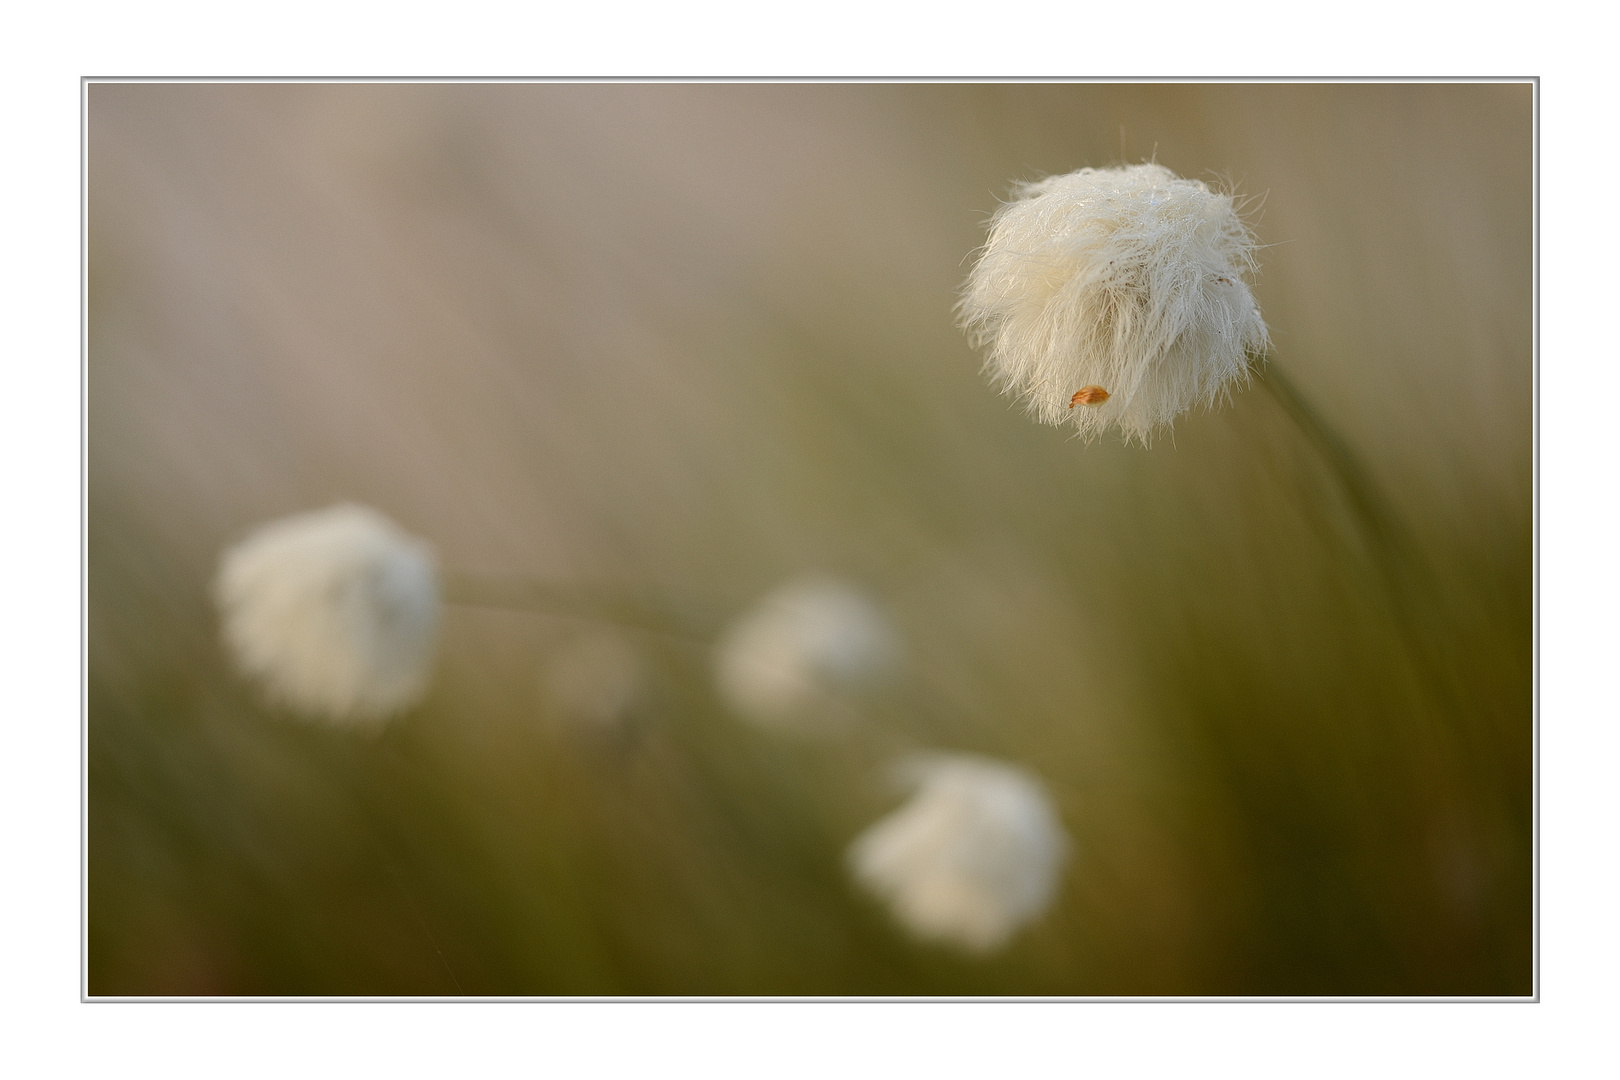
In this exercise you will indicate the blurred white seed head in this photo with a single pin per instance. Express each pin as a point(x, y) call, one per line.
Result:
point(594, 682)
point(1115, 298)
point(795, 659)
point(972, 857)
point(334, 612)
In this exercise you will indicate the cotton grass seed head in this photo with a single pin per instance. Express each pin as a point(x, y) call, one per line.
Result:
point(1115, 298)
point(333, 612)
point(798, 656)
point(972, 857)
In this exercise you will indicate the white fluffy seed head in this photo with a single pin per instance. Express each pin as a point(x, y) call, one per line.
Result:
point(795, 659)
point(333, 612)
point(972, 857)
point(1130, 280)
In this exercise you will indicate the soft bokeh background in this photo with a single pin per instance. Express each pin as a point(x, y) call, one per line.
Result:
point(688, 341)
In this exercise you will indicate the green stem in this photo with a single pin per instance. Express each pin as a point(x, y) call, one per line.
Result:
point(620, 607)
point(1390, 545)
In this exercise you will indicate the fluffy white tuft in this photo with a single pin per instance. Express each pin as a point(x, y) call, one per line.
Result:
point(1129, 280)
point(795, 657)
point(334, 612)
point(973, 856)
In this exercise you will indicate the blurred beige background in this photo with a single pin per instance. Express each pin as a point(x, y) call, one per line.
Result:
point(691, 340)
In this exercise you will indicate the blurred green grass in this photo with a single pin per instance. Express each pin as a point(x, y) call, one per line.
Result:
point(694, 340)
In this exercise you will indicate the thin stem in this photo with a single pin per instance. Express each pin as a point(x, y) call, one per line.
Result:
point(1382, 525)
point(1391, 546)
point(691, 623)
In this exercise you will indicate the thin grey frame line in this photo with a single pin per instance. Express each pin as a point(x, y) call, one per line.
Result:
point(699, 999)
point(813, 80)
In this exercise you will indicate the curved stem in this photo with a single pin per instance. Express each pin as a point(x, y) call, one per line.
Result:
point(1390, 545)
point(683, 621)
point(1379, 522)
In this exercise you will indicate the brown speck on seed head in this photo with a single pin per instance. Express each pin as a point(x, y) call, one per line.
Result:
point(1089, 395)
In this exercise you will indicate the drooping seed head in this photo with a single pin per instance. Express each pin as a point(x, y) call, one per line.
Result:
point(1127, 281)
